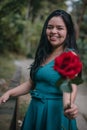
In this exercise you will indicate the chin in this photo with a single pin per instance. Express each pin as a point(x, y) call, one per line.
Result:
point(56, 45)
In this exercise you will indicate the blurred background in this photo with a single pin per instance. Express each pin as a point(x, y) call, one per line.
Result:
point(21, 22)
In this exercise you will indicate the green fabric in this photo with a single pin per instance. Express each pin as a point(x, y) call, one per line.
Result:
point(45, 111)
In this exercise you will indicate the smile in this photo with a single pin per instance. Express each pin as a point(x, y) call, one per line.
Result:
point(54, 38)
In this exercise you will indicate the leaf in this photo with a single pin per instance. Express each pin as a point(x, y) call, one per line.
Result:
point(77, 80)
point(66, 87)
point(59, 82)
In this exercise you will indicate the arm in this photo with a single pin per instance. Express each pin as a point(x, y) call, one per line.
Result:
point(17, 91)
point(67, 97)
point(73, 110)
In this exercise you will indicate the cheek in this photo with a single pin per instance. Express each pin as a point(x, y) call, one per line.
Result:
point(47, 33)
point(64, 34)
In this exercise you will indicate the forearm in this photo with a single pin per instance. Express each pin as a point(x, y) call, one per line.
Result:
point(21, 89)
point(74, 93)
point(17, 91)
point(71, 110)
point(69, 98)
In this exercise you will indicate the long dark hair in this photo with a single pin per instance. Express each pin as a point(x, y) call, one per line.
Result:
point(45, 48)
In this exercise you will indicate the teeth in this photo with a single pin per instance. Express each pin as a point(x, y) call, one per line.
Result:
point(53, 37)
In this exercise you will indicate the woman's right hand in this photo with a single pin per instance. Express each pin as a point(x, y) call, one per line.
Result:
point(72, 111)
point(4, 97)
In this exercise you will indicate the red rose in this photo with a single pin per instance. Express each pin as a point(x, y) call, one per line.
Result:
point(68, 64)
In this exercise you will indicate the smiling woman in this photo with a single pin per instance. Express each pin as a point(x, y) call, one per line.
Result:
point(46, 111)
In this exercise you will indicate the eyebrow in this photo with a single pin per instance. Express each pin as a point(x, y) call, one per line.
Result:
point(56, 25)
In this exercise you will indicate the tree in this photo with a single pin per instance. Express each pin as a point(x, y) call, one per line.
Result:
point(11, 24)
point(79, 14)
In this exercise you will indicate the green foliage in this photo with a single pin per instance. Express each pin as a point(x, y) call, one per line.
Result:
point(11, 26)
point(33, 32)
point(7, 68)
point(21, 23)
point(65, 84)
point(17, 33)
point(11, 7)
point(43, 7)
point(79, 14)
point(23, 109)
point(82, 44)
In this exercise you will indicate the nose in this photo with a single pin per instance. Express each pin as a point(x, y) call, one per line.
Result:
point(54, 30)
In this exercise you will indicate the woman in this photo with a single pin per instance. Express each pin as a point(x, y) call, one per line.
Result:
point(46, 110)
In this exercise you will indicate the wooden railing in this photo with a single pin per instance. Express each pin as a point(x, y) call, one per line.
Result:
point(9, 110)
point(15, 82)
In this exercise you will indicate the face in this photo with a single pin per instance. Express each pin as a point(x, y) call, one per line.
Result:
point(56, 31)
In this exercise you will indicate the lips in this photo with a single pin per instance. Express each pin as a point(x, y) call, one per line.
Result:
point(53, 38)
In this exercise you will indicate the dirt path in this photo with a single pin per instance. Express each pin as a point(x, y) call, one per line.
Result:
point(81, 101)
point(24, 64)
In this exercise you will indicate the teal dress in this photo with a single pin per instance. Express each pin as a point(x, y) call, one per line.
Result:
point(45, 110)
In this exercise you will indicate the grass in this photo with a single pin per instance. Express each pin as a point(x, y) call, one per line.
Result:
point(23, 109)
point(7, 68)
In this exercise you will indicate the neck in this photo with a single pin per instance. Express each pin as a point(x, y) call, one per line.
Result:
point(58, 51)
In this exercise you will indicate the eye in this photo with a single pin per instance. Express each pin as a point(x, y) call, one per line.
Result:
point(60, 28)
point(49, 27)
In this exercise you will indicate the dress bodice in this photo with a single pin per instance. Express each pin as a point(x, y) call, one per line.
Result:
point(45, 79)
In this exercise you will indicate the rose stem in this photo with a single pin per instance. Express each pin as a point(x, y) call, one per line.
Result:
point(70, 119)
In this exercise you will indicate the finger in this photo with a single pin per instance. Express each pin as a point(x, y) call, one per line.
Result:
point(74, 112)
point(4, 101)
point(71, 117)
point(71, 110)
point(71, 114)
point(1, 101)
point(68, 111)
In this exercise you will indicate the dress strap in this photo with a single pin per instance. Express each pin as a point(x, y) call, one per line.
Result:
point(70, 49)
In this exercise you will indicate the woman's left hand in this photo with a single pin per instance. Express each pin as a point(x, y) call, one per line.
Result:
point(71, 112)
